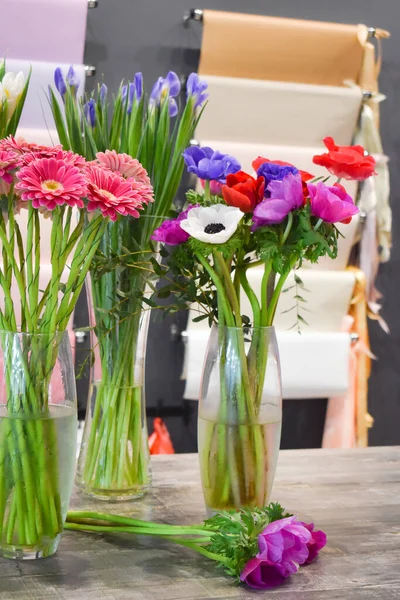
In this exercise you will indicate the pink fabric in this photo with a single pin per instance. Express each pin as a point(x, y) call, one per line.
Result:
point(341, 413)
point(340, 420)
point(43, 30)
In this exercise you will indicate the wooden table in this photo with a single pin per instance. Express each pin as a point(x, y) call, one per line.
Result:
point(353, 495)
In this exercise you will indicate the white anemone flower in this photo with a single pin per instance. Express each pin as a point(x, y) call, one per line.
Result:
point(11, 88)
point(212, 224)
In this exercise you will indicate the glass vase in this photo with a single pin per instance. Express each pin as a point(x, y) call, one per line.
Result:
point(240, 416)
point(114, 459)
point(38, 430)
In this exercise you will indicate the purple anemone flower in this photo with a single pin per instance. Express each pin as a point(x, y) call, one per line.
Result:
point(282, 548)
point(274, 172)
point(331, 203)
point(195, 88)
point(285, 196)
point(210, 164)
point(170, 232)
point(168, 87)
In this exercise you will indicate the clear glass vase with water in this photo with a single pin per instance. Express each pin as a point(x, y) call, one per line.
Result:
point(38, 430)
point(240, 416)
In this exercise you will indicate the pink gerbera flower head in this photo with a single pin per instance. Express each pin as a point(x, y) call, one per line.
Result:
point(143, 189)
point(51, 182)
point(66, 155)
point(8, 162)
point(111, 193)
point(21, 146)
point(124, 164)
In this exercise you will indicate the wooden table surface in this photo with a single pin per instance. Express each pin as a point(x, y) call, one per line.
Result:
point(354, 495)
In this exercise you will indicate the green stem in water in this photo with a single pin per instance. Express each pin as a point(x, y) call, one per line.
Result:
point(230, 322)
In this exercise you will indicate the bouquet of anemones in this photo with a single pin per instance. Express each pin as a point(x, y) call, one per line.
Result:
point(114, 459)
point(39, 182)
point(273, 221)
point(259, 547)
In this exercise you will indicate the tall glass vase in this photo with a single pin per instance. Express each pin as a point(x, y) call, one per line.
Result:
point(38, 429)
point(240, 416)
point(114, 459)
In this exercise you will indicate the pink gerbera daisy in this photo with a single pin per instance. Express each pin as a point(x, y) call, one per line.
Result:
point(67, 155)
point(51, 182)
point(8, 162)
point(111, 193)
point(124, 164)
point(145, 191)
point(21, 146)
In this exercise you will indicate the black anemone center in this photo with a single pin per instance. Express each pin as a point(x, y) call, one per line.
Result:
point(214, 228)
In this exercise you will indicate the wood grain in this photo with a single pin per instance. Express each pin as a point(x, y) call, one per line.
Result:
point(353, 495)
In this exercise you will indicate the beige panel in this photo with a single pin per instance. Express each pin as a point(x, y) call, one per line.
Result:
point(259, 47)
point(278, 113)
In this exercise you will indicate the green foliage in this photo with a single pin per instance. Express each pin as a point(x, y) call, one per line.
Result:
point(236, 533)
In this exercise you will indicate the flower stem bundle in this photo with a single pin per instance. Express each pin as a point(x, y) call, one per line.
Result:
point(133, 127)
point(260, 547)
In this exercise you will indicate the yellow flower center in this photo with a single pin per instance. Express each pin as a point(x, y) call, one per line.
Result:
point(107, 194)
point(50, 185)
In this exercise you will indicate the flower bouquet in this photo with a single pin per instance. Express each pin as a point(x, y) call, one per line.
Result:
point(37, 391)
point(274, 222)
point(114, 460)
point(260, 547)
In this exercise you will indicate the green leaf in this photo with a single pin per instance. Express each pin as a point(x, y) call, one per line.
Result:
point(149, 302)
point(59, 121)
point(158, 269)
point(73, 122)
point(2, 69)
point(116, 122)
point(302, 320)
point(200, 318)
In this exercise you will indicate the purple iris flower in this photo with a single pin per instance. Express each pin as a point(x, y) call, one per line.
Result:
point(103, 94)
point(168, 87)
point(195, 88)
point(285, 196)
point(131, 96)
point(210, 164)
point(274, 172)
point(124, 92)
point(73, 79)
point(138, 81)
point(90, 112)
point(60, 82)
point(170, 232)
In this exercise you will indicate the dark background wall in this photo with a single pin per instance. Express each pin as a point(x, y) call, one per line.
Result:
point(125, 36)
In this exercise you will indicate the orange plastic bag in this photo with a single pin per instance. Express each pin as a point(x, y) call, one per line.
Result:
point(159, 440)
